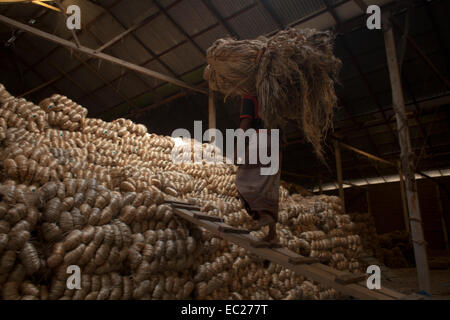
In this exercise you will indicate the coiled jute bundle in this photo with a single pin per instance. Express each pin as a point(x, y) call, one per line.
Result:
point(91, 193)
point(292, 73)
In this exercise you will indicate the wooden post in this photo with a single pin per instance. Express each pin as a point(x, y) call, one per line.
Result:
point(441, 212)
point(211, 112)
point(406, 156)
point(337, 152)
point(403, 196)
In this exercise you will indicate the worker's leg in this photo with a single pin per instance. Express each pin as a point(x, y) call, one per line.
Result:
point(271, 220)
point(272, 235)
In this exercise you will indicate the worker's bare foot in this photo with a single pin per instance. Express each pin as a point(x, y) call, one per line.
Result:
point(263, 221)
point(272, 241)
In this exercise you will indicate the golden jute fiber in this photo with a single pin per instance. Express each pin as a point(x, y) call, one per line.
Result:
point(292, 73)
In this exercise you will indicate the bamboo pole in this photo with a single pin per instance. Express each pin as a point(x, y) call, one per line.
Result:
point(403, 196)
point(406, 156)
point(366, 154)
point(337, 152)
point(211, 113)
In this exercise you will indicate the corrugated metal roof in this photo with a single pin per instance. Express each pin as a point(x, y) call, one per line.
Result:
point(193, 16)
point(70, 90)
point(108, 70)
point(292, 10)
point(88, 40)
point(183, 58)
point(86, 78)
point(130, 50)
point(60, 58)
point(19, 11)
point(253, 23)
point(24, 47)
point(46, 70)
point(158, 67)
point(206, 39)
point(106, 28)
point(131, 12)
point(160, 34)
point(109, 97)
point(54, 23)
point(130, 85)
point(228, 8)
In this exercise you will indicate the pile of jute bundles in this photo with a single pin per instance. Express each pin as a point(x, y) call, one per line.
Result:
point(94, 197)
point(365, 228)
point(68, 197)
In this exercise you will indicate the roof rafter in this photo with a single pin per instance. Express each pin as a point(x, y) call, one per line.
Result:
point(100, 55)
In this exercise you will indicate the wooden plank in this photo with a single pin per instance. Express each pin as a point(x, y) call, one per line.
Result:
point(316, 271)
point(350, 278)
point(303, 260)
point(230, 229)
point(264, 244)
point(186, 206)
point(202, 216)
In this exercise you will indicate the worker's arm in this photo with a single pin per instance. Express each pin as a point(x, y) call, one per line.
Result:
point(245, 123)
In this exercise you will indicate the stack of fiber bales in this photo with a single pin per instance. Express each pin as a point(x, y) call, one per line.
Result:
point(396, 250)
point(365, 228)
point(82, 191)
point(393, 249)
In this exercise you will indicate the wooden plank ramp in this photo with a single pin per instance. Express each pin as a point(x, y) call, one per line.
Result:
point(353, 285)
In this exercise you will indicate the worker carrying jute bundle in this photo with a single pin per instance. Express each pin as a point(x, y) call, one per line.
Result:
point(287, 77)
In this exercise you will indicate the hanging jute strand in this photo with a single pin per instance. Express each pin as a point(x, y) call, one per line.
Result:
point(291, 73)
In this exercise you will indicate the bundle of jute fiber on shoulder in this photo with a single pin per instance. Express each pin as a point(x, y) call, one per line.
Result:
point(291, 73)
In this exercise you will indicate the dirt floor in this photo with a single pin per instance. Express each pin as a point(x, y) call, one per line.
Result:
point(405, 281)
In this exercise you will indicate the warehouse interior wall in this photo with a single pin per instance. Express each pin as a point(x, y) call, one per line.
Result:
point(386, 207)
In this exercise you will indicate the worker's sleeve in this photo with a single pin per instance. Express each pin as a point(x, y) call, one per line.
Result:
point(248, 108)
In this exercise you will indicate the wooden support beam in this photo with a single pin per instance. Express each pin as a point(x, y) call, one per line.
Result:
point(131, 29)
point(366, 154)
point(403, 197)
point(406, 157)
point(211, 112)
point(99, 55)
point(337, 153)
